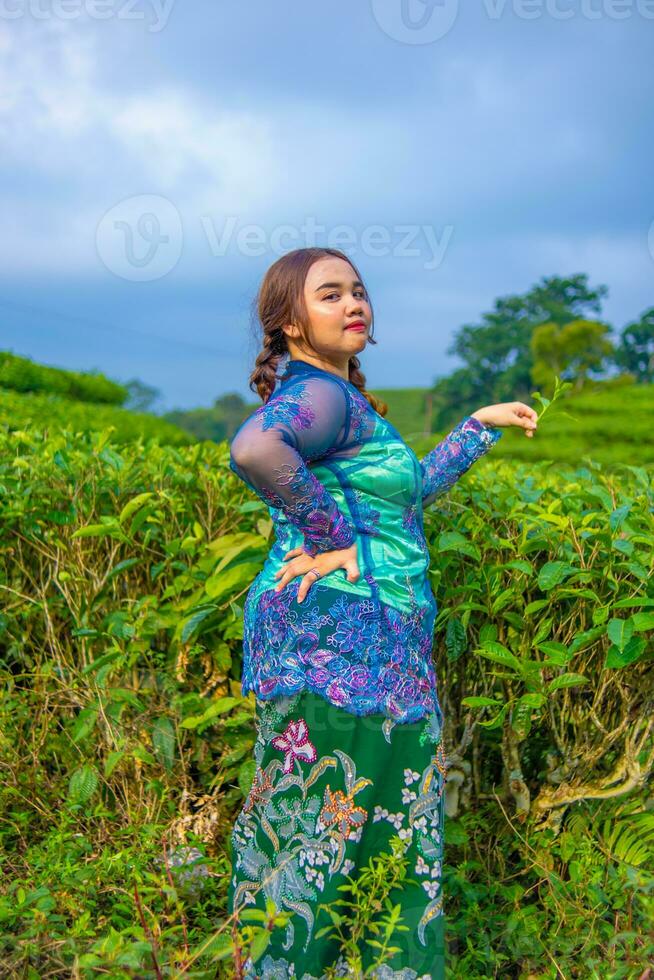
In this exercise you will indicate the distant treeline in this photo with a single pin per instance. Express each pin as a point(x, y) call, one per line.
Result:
point(555, 328)
point(521, 345)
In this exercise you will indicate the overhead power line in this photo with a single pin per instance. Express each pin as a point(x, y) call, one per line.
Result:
point(112, 328)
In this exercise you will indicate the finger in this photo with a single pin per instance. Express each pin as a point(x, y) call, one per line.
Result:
point(285, 579)
point(288, 568)
point(293, 553)
point(353, 572)
point(526, 410)
point(526, 420)
point(305, 585)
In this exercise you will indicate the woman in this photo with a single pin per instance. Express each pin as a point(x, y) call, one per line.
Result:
point(338, 633)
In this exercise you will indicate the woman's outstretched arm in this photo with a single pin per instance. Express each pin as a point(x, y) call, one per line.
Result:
point(269, 452)
point(449, 460)
point(470, 439)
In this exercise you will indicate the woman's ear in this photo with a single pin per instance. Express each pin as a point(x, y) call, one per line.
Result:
point(291, 330)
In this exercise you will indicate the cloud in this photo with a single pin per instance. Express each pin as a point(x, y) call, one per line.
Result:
point(83, 147)
point(513, 132)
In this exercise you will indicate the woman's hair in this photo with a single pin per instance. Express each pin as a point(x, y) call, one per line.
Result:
point(280, 300)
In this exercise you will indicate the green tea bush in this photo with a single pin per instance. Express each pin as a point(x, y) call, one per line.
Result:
point(50, 414)
point(124, 735)
point(22, 374)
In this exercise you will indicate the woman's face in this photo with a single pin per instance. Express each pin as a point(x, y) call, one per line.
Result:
point(334, 299)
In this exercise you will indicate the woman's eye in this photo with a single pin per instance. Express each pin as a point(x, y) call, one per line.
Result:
point(358, 292)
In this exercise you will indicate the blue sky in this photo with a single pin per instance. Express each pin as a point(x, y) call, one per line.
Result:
point(159, 156)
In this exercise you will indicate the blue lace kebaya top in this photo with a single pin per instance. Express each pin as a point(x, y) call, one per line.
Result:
point(333, 471)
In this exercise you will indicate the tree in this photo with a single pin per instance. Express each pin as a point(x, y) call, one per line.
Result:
point(571, 351)
point(636, 350)
point(496, 352)
point(141, 396)
point(218, 422)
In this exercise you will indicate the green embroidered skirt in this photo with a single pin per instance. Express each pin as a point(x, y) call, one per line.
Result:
point(331, 789)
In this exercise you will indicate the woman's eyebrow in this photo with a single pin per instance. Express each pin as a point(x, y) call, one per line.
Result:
point(336, 285)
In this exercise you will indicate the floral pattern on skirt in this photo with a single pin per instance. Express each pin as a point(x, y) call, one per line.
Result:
point(330, 790)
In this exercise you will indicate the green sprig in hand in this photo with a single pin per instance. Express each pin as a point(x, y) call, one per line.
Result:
point(519, 414)
point(546, 403)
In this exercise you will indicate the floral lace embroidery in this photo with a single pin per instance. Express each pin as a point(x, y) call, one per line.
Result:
point(324, 526)
point(368, 516)
point(359, 415)
point(412, 524)
point(288, 484)
point(443, 465)
point(293, 410)
point(358, 653)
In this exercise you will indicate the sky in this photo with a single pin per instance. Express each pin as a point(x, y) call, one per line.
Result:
point(158, 156)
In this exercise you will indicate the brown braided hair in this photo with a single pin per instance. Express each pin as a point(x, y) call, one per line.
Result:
point(280, 300)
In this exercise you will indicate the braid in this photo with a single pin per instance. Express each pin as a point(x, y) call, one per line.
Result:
point(264, 376)
point(358, 379)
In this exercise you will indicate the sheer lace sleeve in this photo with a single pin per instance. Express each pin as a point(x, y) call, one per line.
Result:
point(450, 459)
point(269, 452)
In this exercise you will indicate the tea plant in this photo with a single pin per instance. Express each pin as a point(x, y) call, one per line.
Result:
point(125, 740)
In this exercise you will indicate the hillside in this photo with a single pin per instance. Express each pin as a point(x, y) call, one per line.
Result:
point(611, 423)
point(53, 399)
point(608, 420)
point(52, 412)
point(22, 374)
